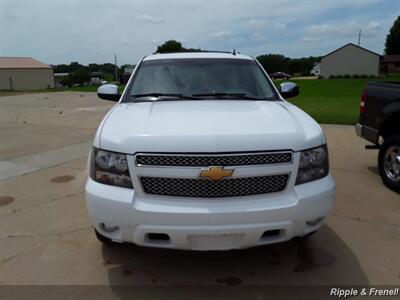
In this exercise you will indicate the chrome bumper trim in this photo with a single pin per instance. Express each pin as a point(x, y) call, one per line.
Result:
point(358, 129)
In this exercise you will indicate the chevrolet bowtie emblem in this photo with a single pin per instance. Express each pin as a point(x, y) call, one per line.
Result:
point(216, 173)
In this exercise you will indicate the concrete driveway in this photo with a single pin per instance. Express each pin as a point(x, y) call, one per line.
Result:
point(46, 239)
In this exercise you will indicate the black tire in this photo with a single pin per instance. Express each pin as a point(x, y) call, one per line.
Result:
point(391, 145)
point(103, 239)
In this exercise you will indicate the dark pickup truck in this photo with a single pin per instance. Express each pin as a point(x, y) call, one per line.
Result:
point(379, 123)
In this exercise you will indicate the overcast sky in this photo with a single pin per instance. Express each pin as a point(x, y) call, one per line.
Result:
point(61, 31)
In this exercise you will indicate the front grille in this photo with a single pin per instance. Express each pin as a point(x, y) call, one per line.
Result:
point(181, 160)
point(205, 188)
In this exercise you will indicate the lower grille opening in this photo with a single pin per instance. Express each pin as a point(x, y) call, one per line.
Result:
point(162, 238)
point(270, 234)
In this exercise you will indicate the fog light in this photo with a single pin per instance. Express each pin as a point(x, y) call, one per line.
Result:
point(315, 221)
point(108, 228)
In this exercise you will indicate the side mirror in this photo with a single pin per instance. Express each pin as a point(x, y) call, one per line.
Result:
point(108, 92)
point(289, 89)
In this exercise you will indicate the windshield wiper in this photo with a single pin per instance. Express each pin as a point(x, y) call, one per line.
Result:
point(235, 95)
point(164, 95)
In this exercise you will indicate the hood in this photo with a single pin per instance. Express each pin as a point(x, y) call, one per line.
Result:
point(208, 126)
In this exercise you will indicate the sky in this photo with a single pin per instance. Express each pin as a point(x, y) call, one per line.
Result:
point(89, 31)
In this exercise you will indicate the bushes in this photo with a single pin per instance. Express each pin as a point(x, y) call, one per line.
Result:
point(363, 76)
point(354, 76)
point(339, 76)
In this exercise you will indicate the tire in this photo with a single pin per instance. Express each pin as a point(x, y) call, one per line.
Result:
point(103, 239)
point(389, 162)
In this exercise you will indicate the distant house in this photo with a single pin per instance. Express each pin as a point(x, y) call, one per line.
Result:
point(391, 64)
point(24, 73)
point(350, 59)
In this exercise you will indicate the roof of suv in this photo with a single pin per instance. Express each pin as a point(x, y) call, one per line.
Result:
point(196, 55)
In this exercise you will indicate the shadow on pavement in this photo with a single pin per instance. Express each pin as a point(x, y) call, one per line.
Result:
point(323, 259)
point(373, 169)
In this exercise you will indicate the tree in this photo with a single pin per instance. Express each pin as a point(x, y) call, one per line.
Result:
point(280, 63)
point(170, 46)
point(80, 76)
point(274, 62)
point(392, 45)
point(75, 66)
point(94, 67)
point(63, 68)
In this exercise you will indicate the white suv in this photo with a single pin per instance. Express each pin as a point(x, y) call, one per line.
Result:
point(202, 152)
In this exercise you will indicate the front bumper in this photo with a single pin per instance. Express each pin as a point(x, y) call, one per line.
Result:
point(209, 224)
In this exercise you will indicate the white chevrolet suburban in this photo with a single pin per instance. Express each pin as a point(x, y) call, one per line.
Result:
point(202, 152)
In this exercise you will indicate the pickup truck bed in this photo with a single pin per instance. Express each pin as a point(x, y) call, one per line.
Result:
point(381, 102)
point(379, 123)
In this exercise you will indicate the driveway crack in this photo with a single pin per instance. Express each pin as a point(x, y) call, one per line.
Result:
point(365, 220)
point(44, 238)
point(40, 204)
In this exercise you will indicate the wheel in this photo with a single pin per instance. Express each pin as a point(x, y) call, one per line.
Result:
point(103, 239)
point(389, 162)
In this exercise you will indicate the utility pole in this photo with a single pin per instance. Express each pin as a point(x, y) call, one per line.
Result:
point(116, 67)
point(359, 37)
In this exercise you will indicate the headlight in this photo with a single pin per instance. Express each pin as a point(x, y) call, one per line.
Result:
point(314, 164)
point(110, 168)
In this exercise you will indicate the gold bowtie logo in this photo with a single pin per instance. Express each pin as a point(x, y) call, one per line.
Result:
point(216, 173)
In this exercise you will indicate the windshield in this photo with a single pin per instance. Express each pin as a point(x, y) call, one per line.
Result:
point(201, 78)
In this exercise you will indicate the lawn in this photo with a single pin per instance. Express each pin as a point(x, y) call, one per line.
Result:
point(333, 101)
point(92, 88)
point(4, 93)
point(329, 101)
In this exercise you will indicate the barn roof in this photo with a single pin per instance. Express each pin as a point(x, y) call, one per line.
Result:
point(351, 44)
point(21, 63)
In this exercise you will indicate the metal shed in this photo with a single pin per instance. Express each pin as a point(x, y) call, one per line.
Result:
point(350, 60)
point(24, 73)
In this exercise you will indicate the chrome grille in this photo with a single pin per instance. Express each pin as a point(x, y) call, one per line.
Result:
point(204, 188)
point(182, 160)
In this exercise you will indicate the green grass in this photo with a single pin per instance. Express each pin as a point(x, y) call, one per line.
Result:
point(4, 93)
point(329, 101)
point(333, 101)
point(90, 88)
